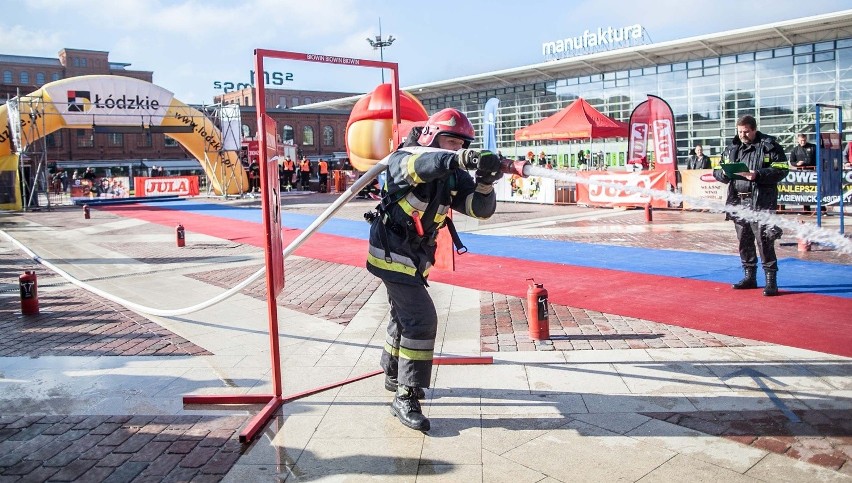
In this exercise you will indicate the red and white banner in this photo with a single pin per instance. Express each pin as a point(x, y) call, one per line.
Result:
point(637, 144)
point(171, 185)
point(664, 138)
point(599, 191)
point(654, 117)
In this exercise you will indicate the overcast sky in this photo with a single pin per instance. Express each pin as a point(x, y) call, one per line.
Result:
point(191, 44)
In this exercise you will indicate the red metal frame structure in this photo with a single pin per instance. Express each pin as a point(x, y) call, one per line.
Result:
point(273, 239)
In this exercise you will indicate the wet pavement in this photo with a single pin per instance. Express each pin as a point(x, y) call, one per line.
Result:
point(92, 391)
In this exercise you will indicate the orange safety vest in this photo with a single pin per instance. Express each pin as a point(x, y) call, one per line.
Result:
point(288, 165)
point(323, 167)
point(305, 165)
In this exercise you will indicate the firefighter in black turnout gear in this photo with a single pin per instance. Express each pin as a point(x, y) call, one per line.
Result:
point(756, 189)
point(426, 177)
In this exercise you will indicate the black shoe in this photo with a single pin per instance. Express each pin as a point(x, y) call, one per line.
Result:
point(406, 408)
point(391, 384)
point(771, 288)
point(748, 281)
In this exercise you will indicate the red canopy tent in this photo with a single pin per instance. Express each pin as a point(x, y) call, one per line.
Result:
point(577, 121)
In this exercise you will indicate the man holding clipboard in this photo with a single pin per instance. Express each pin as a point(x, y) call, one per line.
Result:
point(752, 165)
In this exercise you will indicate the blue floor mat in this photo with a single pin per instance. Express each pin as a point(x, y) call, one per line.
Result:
point(794, 275)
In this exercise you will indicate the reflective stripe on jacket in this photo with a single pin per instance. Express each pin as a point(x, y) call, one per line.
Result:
point(422, 177)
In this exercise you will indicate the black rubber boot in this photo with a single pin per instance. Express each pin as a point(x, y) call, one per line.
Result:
point(391, 385)
point(406, 408)
point(749, 281)
point(771, 288)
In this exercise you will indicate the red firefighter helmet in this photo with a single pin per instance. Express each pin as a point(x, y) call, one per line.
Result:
point(446, 122)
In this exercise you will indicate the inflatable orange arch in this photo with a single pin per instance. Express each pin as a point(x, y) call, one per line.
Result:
point(107, 100)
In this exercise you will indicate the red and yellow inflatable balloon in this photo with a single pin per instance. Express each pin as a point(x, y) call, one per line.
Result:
point(369, 132)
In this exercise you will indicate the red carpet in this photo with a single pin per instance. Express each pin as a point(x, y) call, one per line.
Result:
point(808, 321)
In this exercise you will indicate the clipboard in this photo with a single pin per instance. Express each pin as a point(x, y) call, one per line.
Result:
point(732, 169)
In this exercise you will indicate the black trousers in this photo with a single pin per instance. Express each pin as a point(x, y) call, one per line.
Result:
point(410, 341)
point(750, 234)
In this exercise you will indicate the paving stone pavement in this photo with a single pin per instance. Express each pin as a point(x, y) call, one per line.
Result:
point(204, 447)
point(504, 327)
point(95, 448)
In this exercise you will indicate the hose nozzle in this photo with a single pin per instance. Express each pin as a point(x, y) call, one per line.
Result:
point(518, 168)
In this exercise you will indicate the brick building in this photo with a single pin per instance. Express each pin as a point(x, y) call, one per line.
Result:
point(280, 98)
point(315, 132)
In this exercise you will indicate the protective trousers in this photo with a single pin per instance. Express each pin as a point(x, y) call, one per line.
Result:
point(411, 333)
point(749, 232)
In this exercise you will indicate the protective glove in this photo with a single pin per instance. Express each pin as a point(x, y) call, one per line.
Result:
point(486, 177)
point(475, 159)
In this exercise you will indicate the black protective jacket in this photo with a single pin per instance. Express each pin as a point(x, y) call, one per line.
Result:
point(423, 183)
point(698, 162)
point(806, 153)
point(765, 157)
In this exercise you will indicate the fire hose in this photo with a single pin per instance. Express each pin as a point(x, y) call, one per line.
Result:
point(519, 168)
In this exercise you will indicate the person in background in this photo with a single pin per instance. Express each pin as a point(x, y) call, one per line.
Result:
point(322, 170)
point(90, 175)
point(289, 168)
point(804, 154)
point(698, 160)
point(426, 177)
point(254, 177)
point(305, 174)
point(756, 189)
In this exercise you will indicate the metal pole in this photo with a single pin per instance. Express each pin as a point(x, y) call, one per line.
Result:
point(818, 170)
point(840, 131)
point(381, 49)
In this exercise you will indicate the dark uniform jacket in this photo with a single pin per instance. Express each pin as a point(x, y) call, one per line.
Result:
point(765, 157)
point(698, 162)
point(427, 181)
point(806, 153)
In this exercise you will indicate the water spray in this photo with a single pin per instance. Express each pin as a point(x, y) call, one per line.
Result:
point(805, 231)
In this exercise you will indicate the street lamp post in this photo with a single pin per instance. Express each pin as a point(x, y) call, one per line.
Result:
point(380, 43)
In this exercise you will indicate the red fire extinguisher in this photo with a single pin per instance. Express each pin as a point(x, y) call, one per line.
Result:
point(180, 235)
point(29, 293)
point(86, 212)
point(537, 311)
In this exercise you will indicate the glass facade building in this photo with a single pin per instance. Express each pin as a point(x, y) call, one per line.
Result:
point(779, 86)
point(776, 72)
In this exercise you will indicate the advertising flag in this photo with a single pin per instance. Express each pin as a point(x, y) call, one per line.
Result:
point(654, 118)
point(664, 138)
point(489, 125)
point(637, 143)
